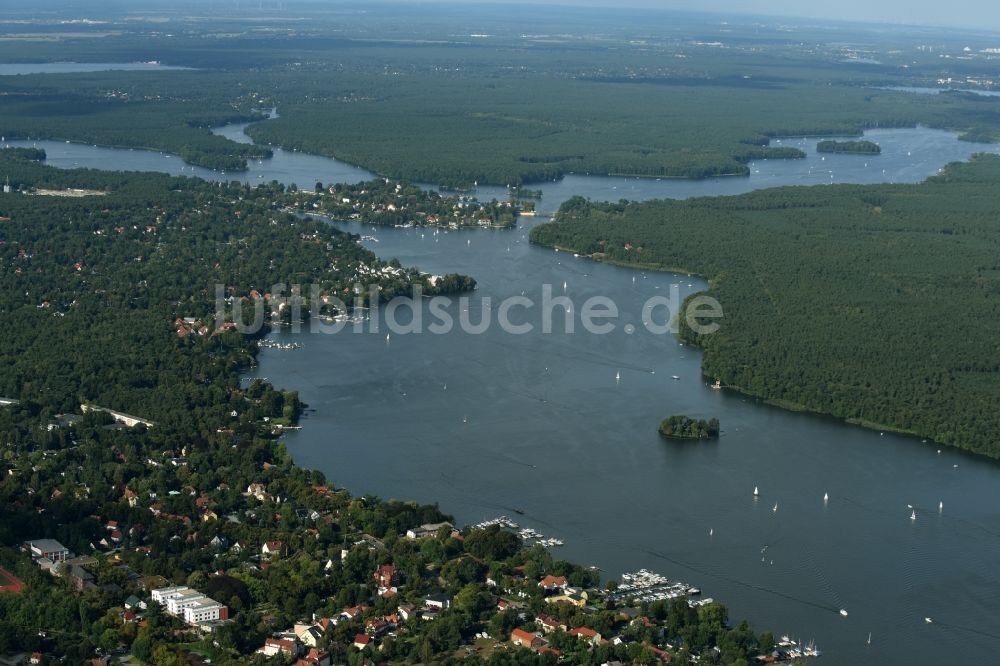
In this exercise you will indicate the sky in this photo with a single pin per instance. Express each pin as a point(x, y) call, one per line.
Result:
point(984, 14)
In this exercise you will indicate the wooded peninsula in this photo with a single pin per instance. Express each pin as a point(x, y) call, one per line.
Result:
point(840, 300)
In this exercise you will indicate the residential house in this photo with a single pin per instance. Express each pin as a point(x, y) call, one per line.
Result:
point(549, 624)
point(587, 634)
point(426, 531)
point(285, 646)
point(550, 583)
point(271, 549)
point(406, 611)
point(310, 636)
point(524, 639)
point(438, 601)
point(134, 602)
point(361, 641)
point(315, 657)
point(570, 596)
point(386, 577)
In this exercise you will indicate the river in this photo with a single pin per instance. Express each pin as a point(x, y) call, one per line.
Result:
point(563, 428)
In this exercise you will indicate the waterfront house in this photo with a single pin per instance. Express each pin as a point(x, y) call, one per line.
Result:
point(550, 583)
point(427, 530)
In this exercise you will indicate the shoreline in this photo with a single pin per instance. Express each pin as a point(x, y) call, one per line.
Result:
point(778, 403)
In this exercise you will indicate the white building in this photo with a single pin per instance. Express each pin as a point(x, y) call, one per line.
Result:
point(161, 595)
point(205, 610)
point(191, 605)
point(186, 599)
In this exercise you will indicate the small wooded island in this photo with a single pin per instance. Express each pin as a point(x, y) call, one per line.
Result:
point(852, 147)
point(684, 427)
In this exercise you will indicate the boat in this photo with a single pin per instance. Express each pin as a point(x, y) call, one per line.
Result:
point(913, 515)
point(843, 612)
point(755, 491)
point(869, 638)
point(711, 531)
point(775, 509)
point(940, 506)
point(618, 376)
point(826, 497)
point(928, 620)
point(674, 377)
point(717, 386)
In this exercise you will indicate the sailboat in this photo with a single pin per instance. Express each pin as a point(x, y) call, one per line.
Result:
point(826, 497)
point(940, 506)
point(618, 377)
point(775, 509)
point(913, 515)
point(869, 638)
point(387, 337)
point(711, 531)
point(755, 491)
point(564, 285)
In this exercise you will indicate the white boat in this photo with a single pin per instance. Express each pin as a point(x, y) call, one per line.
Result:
point(755, 491)
point(775, 509)
point(928, 620)
point(940, 506)
point(843, 612)
point(618, 376)
point(711, 531)
point(674, 377)
point(913, 515)
point(869, 638)
point(826, 497)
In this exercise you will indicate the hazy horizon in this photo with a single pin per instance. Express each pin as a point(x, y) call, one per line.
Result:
point(968, 14)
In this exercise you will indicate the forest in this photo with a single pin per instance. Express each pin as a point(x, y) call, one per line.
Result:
point(852, 147)
point(871, 303)
point(685, 427)
point(513, 109)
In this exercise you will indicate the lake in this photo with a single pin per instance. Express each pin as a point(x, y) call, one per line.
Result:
point(563, 427)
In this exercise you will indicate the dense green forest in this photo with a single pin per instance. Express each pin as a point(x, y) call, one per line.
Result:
point(875, 304)
point(685, 427)
point(511, 109)
point(854, 147)
point(121, 109)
